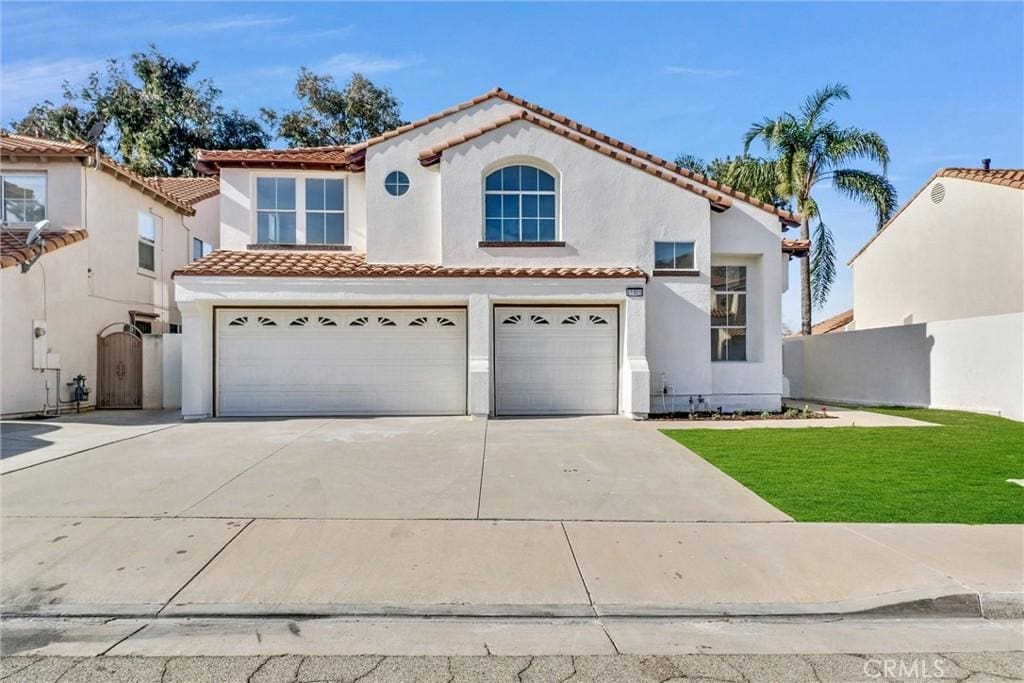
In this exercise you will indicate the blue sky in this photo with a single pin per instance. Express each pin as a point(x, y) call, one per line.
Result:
point(942, 82)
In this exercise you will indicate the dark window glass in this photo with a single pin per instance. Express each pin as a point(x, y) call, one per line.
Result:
point(674, 255)
point(24, 198)
point(396, 183)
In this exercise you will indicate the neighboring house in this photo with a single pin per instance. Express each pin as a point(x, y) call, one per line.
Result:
point(495, 258)
point(841, 322)
point(955, 250)
point(938, 309)
point(113, 240)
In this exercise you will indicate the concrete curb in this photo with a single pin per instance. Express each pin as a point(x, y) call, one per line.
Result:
point(906, 604)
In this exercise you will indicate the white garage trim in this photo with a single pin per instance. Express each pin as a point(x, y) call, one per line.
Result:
point(556, 360)
point(315, 360)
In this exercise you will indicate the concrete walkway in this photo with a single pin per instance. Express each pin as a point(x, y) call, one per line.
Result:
point(192, 567)
point(841, 417)
point(24, 443)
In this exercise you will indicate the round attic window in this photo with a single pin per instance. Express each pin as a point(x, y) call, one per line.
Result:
point(938, 192)
point(397, 183)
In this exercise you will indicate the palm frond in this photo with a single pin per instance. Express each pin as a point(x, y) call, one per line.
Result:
point(755, 176)
point(870, 189)
point(849, 144)
point(694, 163)
point(820, 101)
point(823, 264)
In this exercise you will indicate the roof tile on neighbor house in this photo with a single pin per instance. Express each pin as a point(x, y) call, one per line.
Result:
point(189, 191)
point(433, 155)
point(334, 157)
point(256, 263)
point(1007, 177)
point(13, 145)
point(834, 324)
point(14, 251)
point(796, 247)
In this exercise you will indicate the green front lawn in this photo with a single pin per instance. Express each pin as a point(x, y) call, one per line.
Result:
point(953, 473)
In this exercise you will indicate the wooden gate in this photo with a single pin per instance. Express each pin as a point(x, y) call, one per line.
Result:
point(119, 367)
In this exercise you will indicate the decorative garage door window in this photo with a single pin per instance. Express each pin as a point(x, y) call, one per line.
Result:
point(552, 319)
point(349, 319)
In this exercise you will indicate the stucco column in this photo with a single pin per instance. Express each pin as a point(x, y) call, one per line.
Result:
point(196, 360)
point(636, 380)
point(479, 342)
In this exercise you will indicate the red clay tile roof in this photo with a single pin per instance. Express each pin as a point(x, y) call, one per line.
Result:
point(255, 263)
point(1007, 177)
point(796, 247)
point(13, 146)
point(352, 157)
point(189, 191)
point(334, 158)
point(13, 250)
point(433, 155)
point(834, 324)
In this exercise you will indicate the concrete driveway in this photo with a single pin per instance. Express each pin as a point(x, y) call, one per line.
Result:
point(599, 468)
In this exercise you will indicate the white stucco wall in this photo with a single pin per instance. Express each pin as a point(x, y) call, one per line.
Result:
point(152, 371)
point(171, 366)
point(974, 364)
point(960, 258)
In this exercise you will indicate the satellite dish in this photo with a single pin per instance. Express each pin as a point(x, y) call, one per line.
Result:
point(95, 132)
point(36, 232)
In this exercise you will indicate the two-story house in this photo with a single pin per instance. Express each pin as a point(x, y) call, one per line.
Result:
point(103, 281)
point(495, 258)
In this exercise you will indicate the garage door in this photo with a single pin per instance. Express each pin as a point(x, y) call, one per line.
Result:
point(555, 361)
point(341, 362)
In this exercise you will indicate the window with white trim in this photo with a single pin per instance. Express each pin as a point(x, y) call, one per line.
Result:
point(147, 241)
point(24, 197)
point(519, 205)
point(728, 313)
point(325, 211)
point(673, 256)
point(200, 248)
point(275, 210)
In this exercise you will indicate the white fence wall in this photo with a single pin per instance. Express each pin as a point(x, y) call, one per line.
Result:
point(172, 371)
point(974, 364)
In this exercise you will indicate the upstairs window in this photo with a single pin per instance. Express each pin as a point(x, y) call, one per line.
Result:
point(147, 241)
point(24, 197)
point(325, 211)
point(728, 313)
point(673, 256)
point(519, 205)
point(275, 210)
point(200, 248)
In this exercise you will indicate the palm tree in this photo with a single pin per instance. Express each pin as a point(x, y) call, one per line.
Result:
point(809, 149)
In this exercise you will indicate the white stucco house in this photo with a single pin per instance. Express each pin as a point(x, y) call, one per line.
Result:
point(104, 276)
point(938, 305)
point(495, 258)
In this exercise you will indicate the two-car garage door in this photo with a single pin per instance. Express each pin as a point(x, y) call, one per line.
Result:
point(412, 361)
point(341, 361)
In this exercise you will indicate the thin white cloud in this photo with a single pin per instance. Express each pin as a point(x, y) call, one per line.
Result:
point(30, 81)
point(702, 72)
point(242, 21)
point(346, 63)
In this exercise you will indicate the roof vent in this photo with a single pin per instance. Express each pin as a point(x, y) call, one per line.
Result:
point(986, 164)
point(938, 192)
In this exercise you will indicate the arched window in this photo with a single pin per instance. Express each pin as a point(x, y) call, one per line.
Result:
point(519, 205)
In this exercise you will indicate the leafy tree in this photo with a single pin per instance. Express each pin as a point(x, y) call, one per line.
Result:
point(752, 175)
point(330, 116)
point(810, 149)
point(157, 116)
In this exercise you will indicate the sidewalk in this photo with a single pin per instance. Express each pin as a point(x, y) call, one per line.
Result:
point(243, 568)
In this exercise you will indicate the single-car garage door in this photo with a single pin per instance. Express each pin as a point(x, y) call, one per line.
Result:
point(555, 361)
point(341, 361)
